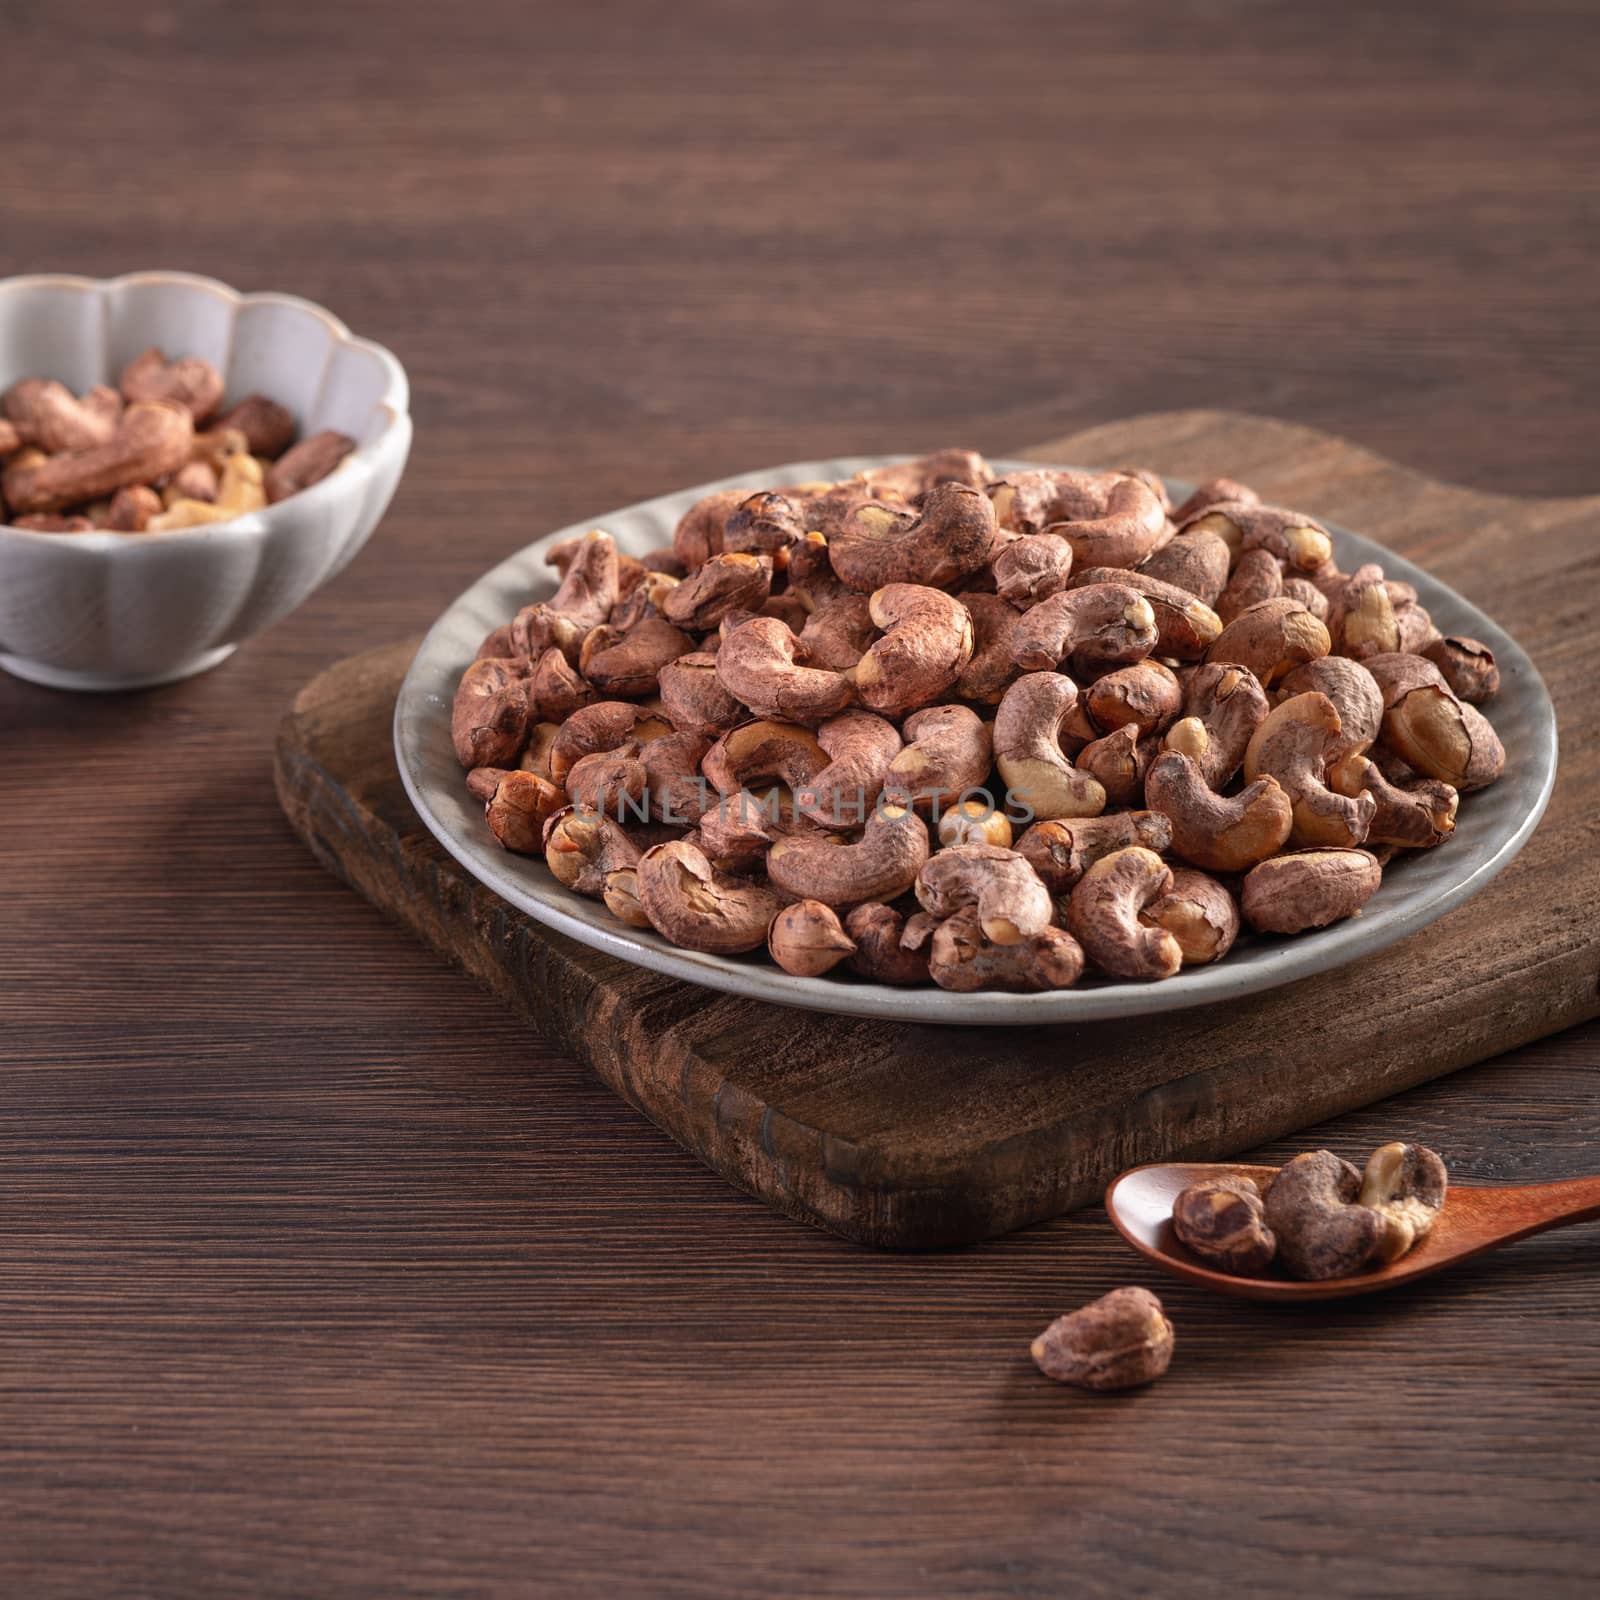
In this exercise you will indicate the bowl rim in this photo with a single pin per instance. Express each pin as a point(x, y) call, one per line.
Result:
point(394, 407)
point(424, 695)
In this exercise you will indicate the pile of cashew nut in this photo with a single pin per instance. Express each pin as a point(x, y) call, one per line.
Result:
point(151, 455)
point(927, 724)
point(1319, 1217)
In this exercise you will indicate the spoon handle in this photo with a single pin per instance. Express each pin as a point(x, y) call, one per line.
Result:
point(1538, 1206)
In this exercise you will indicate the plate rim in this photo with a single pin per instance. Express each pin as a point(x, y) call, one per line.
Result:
point(1305, 956)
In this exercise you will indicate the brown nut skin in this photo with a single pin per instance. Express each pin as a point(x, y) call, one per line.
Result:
point(1186, 626)
point(764, 524)
point(962, 959)
point(926, 645)
point(1199, 913)
point(556, 687)
point(192, 383)
point(1147, 695)
point(1229, 704)
point(132, 508)
point(860, 747)
point(1308, 889)
point(693, 698)
point(307, 463)
point(630, 663)
point(582, 852)
point(610, 783)
point(268, 427)
point(999, 885)
point(698, 536)
point(591, 585)
point(1215, 492)
point(1467, 666)
point(1353, 691)
point(1110, 519)
point(948, 751)
point(604, 725)
point(885, 862)
point(779, 752)
point(1120, 1341)
point(1032, 568)
point(725, 583)
point(1061, 850)
point(1099, 625)
point(888, 948)
point(951, 538)
point(1257, 575)
point(836, 635)
point(1322, 1232)
point(759, 663)
point(1028, 752)
point(1295, 744)
point(807, 939)
point(1215, 833)
point(1309, 595)
point(1118, 762)
point(150, 441)
point(1405, 1184)
point(492, 713)
point(1223, 1222)
point(1296, 540)
point(698, 908)
point(1417, 817)
point(1271, 638)
point(1103, 915)
point(993, 667)
point(1195, 562)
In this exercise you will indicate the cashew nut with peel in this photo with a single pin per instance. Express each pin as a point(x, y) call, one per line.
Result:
point(760, 663)
point(1199, 913)
point(1101, 624)
point(1353, 691)
point(1110, 519)
point(1314, 1211)
point(1308, 889)
point(1213, 832)
point(1062, 850)
point(1010, 901)
point(1271, 638)
point(1185, 624)
point(605, 725)
point(763, 524)
point(1027, 749)
point(949, 539)
point(1257, 575)
point(1222, 1220)
point(1196, 562)
point(1104, 915)
point(961, 958)
point(948, 750)
point(1443, 737)
point(775, 751)
point(926, 643)
point(860, 746)
point(835, 636)
point(693, 698)
point(191, 382)
point(883, 863)
point(1216, 492)
point(698, 536)
point(1032, 568)
point(1414, 817)
point(1405, 1184)
point(890, 947)
point(698, 908)
point(1295, 744)
point(1119, 1341)
point(1223, 706)
point(556, 687)
point(1147, 695)
point(517, 805)
point(1294, 539)
point(629, 662)
point(807, 939)
point(1467, 667)
point(151, 440)
point(1118, 762)
point(582, 850)
point(491, 714)
point(590, 587)
point(993, 667)
point(725, 583)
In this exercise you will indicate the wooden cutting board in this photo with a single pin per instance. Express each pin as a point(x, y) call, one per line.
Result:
point(916, 1136)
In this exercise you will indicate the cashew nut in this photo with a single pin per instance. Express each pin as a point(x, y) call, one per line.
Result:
point(1313, 1209)
point(1467, 667)
point(1228, 704)
point(1101, 624)
point(1199, 913)
point(1186, 626)
point(1118, 762)
point(1223, 1221)
point(1416, 817)
point(1217, 833)
point(1295, 540)
point(694, 699)
point(769, 750)
point(629, 663)
point(860, 746)
point(890, 948)
point(1028, 752)
point(1257, 575)
point(950, 539)
point(307, 463)
point(1119, 1341)
point(883, 863)
point(1308, 889)
point(1216, 492)
point(1147, 695)
point(835, 636)
point(239, 492)
point(1061, 851)
point(191, 382)
point(150, 441)
point(993, 667)
point(764, 524)
point(1444, 738)
point(1196, 562)
point(697, 907)
point(948, 750)
point(492, 710)
point(727, 582)
point(517, 805)
point(1110, 519)
point(1032, 568)
point(605, 725)
point(926, 643)
point(556, 688)
point(1295, 744)
point(1010, 901)
point(1405, 1184)
point(1353, 691)
point(759, 663)
point(582, 851)
point(1104, 911)
point(1271, 638)
point(975, 822)
point(963, 959)
point(698, 535)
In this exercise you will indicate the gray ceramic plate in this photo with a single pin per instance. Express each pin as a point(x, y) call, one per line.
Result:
point(1492, 825)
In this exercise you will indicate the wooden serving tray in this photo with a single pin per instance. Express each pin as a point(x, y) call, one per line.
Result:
point(906, 1136)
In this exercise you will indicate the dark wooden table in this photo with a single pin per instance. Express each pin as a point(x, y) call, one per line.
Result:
point(318, 1275)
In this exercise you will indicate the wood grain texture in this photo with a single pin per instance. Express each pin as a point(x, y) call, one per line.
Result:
point(915, 1136)
point(319, 1273)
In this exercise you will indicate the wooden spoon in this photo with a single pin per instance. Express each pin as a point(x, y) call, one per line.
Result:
point(1474, 1219)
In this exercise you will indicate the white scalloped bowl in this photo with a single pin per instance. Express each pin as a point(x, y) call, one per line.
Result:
point(125, 610)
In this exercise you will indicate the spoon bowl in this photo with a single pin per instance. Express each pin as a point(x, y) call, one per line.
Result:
point(1474, 1219)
